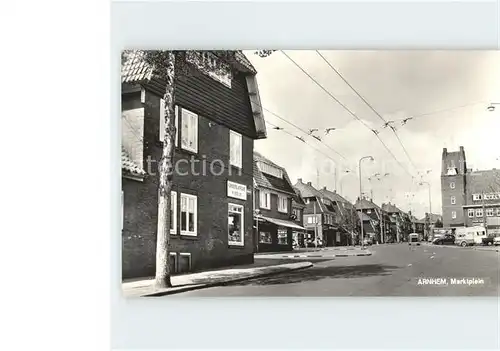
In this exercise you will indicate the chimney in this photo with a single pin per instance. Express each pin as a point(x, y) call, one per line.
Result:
point(445, 151)
point(334, 191)
point(299, 180)
point(324, 188)
point(309, 183)
point(461, 149)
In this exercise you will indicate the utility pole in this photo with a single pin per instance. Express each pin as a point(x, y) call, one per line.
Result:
point(382, 227)
point(361, 194)
point(315, 227)
point(484, 215)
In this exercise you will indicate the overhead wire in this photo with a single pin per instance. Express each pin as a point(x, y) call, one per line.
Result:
point(375, 132)
point(386, 123)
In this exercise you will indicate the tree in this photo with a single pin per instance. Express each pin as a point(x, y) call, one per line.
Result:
point(169, 67)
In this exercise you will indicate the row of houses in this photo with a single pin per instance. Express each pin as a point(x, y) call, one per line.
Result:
point(228, 201)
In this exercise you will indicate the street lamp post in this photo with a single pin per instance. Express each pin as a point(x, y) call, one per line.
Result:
point(430, 203)
point(361, 195)
point(379, 177)
point(492, 105)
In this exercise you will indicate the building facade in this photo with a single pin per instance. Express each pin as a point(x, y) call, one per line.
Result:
point(319, 216)
point(274, 194)
point(217, 118)
point(470, 197)
point(453, 187)
point(298, 207)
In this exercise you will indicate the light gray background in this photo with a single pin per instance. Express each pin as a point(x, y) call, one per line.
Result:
point(289, 323)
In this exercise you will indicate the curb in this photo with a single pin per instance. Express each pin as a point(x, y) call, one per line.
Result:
point(221, 283)
point(307, 256)
point(464, 248)
point(360, 254)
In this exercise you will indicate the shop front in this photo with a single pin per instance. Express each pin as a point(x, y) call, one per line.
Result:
point(274, 235)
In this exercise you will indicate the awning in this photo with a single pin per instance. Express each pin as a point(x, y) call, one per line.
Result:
point(281, 222)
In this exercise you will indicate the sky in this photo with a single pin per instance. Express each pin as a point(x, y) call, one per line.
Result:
point(447, 92)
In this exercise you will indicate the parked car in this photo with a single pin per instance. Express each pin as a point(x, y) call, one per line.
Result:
point(446, 239)
point(488, 240)
point(367, 241)
point(496, 240)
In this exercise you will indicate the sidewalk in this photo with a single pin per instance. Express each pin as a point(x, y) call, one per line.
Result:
point(477, 248)
point(187, 282)
point(327, 253)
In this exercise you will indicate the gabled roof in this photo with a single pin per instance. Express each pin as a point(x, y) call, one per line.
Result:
point(268, 181)
point(334, 196)
point(307, 190)
point(365, 204)
point(128, 165)
point(135, 70)
point(297, 198)
point(391, 208)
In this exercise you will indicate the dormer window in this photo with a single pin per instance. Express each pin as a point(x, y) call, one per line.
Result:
point(270, 170)
point(451, 171)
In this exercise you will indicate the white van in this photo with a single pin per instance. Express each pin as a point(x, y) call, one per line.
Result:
point(414, 239)
point(470, 236)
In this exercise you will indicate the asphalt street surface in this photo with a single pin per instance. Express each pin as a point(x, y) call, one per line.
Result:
point(392, 270)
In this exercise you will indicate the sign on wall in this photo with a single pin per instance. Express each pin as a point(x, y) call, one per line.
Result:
point(237, 191)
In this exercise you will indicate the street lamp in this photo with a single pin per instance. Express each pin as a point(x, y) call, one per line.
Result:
point(430, 202)
point(491, 107)
point(361, 193)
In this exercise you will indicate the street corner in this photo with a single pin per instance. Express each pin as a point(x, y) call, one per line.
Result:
point(205, 280)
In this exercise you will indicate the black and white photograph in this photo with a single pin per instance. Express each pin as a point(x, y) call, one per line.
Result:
point(310, 173)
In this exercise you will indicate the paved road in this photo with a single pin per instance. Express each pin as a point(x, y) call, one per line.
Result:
point(392, 270)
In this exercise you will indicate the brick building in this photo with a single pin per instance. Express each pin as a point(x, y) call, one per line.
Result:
point(319, 215)
point(469, 197)
point(347, 218)
point(453, 187)
point(218, 117)
point(274, 194)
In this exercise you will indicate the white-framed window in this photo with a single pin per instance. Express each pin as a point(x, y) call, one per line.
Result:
point(236, 233)
point(173, 212)
point(453, 214)
point(189, 132)
point(282, 236)
point(189, 214)
point(265, 199)
point(452, 185)
point(265, 238)
point(453, 200)
point(310, 220)
point(490, 212)
point(476, 197)
point(296, 212)
point(479, 212)
point(470, 212)
point(306, 201)
point(282, 203)
point(235, 149)
point(162, 122)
